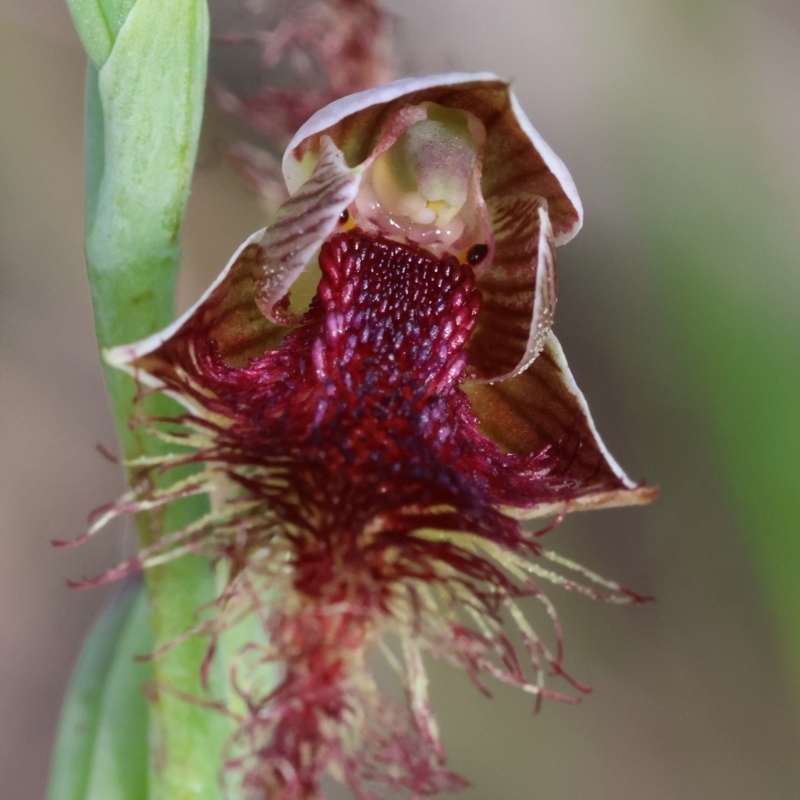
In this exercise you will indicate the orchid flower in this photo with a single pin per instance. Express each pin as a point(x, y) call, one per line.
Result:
point(377, 400)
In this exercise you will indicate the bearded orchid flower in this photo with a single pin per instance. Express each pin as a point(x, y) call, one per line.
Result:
point(377, 400)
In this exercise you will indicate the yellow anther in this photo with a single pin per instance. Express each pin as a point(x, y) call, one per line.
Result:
point(346, 221)
point(444, 212)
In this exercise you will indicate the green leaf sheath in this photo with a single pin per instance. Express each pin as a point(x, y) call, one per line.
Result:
point(150, 97)
point(98, 22)
point(145, 90)
point(103, 689)
point(119, 768)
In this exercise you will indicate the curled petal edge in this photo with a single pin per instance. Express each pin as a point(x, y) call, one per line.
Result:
point(519, 292)
point(354, 124)
point(227, 312)
point(542, 409)
point(300, 226)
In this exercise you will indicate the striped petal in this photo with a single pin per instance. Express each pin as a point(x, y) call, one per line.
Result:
point(300, 227)
point(517, 160)
point(543, 409)
point(519, 291)
point(227, 314)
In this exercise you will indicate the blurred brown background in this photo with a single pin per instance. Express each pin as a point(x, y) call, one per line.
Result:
point(680, 122)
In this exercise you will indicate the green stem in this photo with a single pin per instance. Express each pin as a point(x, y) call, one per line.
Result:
point(144, 106)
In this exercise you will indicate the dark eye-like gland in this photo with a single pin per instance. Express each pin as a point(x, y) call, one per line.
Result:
point(477, 253)
point(344, 217)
